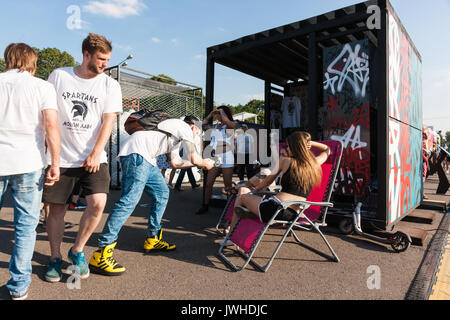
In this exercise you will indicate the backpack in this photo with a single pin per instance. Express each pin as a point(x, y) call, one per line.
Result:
point(146, 120)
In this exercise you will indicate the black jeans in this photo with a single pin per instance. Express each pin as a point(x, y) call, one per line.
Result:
point(181, 177)
point(245, 168)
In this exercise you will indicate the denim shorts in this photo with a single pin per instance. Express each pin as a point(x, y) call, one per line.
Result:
point(227, 159)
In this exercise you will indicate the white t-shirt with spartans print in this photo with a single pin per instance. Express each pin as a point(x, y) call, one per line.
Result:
point(81, 105)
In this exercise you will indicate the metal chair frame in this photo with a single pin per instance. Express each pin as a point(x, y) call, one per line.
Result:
point(301, 221)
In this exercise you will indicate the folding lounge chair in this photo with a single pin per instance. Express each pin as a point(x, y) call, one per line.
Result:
point(247, 234)
point(227, 213)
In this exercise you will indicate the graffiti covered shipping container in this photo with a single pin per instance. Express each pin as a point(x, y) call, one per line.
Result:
point(363, 85)
point(405, 123)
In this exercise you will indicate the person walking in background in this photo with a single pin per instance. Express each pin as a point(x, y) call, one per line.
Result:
point(88, 104)
point(191, 178)
point(29, 118)
point(425, 155)
point(197, 139)
point(447, 158)
point(244, 147)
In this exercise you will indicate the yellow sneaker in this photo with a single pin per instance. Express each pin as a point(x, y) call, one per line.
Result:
point(103, 262)
point(157, 244)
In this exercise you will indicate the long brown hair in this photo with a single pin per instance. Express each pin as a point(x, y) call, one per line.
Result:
point(227, 111)
point(305, 169)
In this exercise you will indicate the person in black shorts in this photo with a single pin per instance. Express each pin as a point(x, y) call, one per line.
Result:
point(88, 104)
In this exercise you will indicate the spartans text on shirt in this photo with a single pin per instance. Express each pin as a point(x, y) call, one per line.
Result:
point(79, 95)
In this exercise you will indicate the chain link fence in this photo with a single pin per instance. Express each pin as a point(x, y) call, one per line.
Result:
point(141, 90)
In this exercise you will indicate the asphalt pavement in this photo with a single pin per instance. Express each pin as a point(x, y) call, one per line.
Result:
point(194, 272)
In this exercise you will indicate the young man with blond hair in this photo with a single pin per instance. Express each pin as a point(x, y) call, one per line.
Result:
point(29, 118)
point(88, 103)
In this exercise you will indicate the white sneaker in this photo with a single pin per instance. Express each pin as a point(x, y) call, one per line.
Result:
point(226, 242)
point(15, 296)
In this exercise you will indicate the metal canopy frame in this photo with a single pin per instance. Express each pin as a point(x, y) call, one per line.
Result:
point(281, 54)
point(292, 54)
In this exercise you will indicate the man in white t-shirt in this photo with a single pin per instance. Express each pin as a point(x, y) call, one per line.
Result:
point(29, 119)
point(140, 173)
point(88, 103)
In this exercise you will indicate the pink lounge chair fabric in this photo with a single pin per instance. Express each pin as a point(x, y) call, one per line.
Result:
point(247, 233)
point(229, 215)
point(249, 229)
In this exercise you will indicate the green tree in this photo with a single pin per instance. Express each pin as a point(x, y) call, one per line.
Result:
point(164, 79)
point(2, 65)
point(447, 136)
point(254, 106)
point(51, 58)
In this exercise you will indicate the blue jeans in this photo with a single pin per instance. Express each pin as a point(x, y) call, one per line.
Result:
point(138, 176)
point(26, 192)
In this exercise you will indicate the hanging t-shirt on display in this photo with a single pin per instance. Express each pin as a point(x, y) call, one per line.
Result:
point(290, 112)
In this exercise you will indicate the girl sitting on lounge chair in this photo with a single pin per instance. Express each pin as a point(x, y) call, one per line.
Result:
point(301, 171)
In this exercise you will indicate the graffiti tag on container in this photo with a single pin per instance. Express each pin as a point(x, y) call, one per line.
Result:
point(350, 66)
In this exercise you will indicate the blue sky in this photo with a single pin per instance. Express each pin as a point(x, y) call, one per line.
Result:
point(171, 37)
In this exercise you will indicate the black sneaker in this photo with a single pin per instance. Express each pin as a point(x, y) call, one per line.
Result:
point(68, 225)
point(203, 209)
point(195, 186)
point(42, 217)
